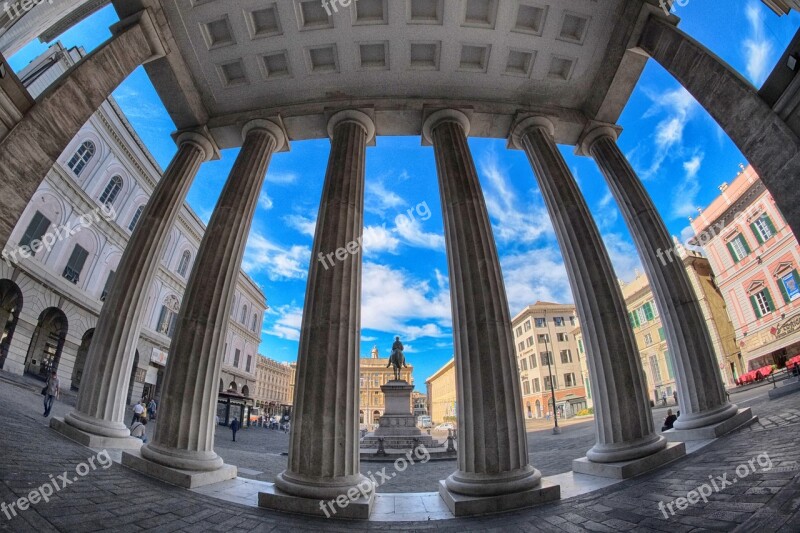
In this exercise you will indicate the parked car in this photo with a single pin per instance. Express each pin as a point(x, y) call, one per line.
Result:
point(446, 426)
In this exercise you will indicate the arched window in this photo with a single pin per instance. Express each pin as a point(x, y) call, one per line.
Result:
point(255, 320)
point(112, 191)
point(243, 319)
point(168, 316)
point(136, 217)
point(183, 266)
point(82, 157)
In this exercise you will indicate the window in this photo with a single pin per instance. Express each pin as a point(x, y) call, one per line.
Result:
point(519, 331)
point(789, 286)
point(249, 362)
point(648, 311)
point(81, 158)
point(521, 346)
point(546, 358)
point(532, 359)
point(111, 191)
point(558, 321)
point(566, 356)
point(661, 334)
point(526, 386)
point(183, 266)
point(670, 364)
point(529, 341)
point(762, 303)
point(255, 322)
point(243, 318)
point(648, 339)
point(656, 370)
point(35, 231)
point(524, 365)
point(572, 321)
point(641, 316)
point(168, 317)
point(543, 337)
point(569, 380)
point(77, 260)
point(536, 387)
point(107, 287)
point(527, 325)
point(580, 345)
point(547, 382)
point(738, 248)
point(763, 228)
point(562, 337)
point(135, 219)
point(540, 322)
point(236, 356)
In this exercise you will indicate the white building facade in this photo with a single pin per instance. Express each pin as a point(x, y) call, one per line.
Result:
point(62, 255)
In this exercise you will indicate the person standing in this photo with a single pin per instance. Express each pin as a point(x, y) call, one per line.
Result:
point(51, 392)
point(151, 409)
point(138, 410)
point(235, 425)
point(675, 396)
point(664, 398)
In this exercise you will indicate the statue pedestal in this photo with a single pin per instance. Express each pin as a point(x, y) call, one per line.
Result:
point(397, 417)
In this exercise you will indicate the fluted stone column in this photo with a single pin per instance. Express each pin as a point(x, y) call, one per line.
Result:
point(100, 409)
point(701, 393)
point(492, 443)
point(324, 444)
point(29, 151)
point(622, 414)
point(184, 435)
point(767, 142)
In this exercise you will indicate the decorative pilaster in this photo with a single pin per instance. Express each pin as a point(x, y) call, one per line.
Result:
point(324, 445)
point(101, 405)
point(623, 418)
point(492, 446)
point(29, 151)
point(701, 393)
point(184, 435)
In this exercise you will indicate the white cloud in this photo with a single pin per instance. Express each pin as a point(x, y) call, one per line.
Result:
point(606, 213)
point(679, 107)
point(535, 275)
point(277, 262)
point(393, 302)
point(287, 325)
point(684, 197)
point(265, 202)
point(305, 225)
point(515, 220)
point(624, 257)
point(410, 230)
point(281, 178)
point(379, 198)
point(757, 48)
point(379, 239)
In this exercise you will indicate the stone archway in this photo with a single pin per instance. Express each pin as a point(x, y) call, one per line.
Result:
point(80, 359)
point(47, 343)
point(10, 306)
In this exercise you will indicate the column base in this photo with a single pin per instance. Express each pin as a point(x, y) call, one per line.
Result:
point(628, 469)
point(706, 418)
point(741, 419)
point(91, 440)
point(461, 505)
point(343, 506)
point(483, 485)
point(97, 426)
point(188, 479)
point(787, 387)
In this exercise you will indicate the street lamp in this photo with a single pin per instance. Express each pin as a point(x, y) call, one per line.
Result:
point(556, 429)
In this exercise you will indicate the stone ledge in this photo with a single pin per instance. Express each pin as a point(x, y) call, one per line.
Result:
point(741, 419)
point(93, 441)
point(277, 500)
point(461, 505)
point(788, 387)
point(628, 469)
point(187, 479)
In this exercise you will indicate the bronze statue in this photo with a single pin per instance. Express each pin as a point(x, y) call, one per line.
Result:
point(397, 359)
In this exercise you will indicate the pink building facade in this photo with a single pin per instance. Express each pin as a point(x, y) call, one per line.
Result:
point(755, 258)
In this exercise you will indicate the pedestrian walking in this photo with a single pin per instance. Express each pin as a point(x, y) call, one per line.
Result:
point(664, 398)
point(51, 392)
point(235, 426)
point(138, 411)
point(151, 409)
point(138, 430)
point(675, 396)
point(286, 428)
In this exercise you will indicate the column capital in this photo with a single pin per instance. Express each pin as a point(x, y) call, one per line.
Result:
point(593, 132)
point(444, 115)
point(281, 141)
point(146, 20)
point(522, 127)
point(201, 138)
point(353, 116)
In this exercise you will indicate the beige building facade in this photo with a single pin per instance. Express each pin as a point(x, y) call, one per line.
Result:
point(272, 386)
point(375, 371)
point(441, 389)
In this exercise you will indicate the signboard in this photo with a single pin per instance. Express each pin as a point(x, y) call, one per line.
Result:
point(152, 375)
point(159, 357)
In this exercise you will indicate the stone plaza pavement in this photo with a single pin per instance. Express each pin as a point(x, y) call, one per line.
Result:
point(118, 499)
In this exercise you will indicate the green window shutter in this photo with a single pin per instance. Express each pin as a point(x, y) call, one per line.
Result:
point(733, 253)
point(756, 233)
point(636, 323)
point(744, 244)
point(769, 299)
point(670, 369)
point(755, 306)
point(783, 290)
point(661, 333)
point(648, 311)
point(630, 317)
point(769, 224)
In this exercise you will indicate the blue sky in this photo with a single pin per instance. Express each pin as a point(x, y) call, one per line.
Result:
point(679, 151)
